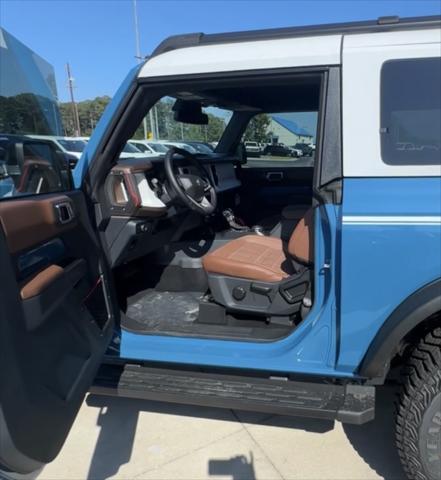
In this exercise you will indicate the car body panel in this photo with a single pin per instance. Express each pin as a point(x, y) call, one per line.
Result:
point(363, 57)
point(390, 249)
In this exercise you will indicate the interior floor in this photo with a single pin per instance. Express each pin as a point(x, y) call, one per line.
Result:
point(172, 300)
point(162, 310)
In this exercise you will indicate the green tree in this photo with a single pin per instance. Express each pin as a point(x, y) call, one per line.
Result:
point(257, 129)
point(89, 112)
point(170, 129)
point(27, 113)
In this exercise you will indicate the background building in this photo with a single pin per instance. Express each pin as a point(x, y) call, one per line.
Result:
point(288, 132)
point(28, 92)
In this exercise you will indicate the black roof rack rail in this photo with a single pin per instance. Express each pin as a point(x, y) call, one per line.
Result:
point(382, 24)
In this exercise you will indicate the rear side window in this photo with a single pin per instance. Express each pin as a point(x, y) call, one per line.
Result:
point(411, 112)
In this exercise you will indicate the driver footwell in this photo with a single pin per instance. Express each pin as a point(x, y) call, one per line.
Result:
point(158, 300)
point(159, 310)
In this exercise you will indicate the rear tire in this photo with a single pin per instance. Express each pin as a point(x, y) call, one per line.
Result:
point(418, 430)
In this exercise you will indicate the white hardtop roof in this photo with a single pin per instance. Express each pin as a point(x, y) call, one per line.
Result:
point(227, 57)
point(309, 46)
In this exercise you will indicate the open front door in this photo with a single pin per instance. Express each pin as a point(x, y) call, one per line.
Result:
point(55, 309)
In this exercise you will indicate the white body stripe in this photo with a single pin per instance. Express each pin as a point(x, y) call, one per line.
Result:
point(391, 220)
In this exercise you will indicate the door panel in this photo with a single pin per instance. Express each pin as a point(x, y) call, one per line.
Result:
point(268, 189)
point(55, 323)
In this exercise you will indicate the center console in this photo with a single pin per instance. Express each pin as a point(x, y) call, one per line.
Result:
point(237, 226)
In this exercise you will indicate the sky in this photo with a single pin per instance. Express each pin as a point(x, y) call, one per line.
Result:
point(97, 36)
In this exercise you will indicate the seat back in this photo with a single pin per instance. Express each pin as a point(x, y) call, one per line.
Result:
point(301, 243)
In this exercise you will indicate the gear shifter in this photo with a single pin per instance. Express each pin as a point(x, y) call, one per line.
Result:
point(232, 221)
point(258, 230)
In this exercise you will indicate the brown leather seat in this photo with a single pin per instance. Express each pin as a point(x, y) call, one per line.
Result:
point(263, 258)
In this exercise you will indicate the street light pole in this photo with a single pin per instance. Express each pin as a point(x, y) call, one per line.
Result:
point(138, 56)
point(76, 117)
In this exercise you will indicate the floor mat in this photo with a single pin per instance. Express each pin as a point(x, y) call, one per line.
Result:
point(156, 309)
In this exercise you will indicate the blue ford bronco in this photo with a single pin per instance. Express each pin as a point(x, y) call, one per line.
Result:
point(284, 284)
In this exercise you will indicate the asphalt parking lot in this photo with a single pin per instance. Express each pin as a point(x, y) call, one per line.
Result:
point(124, 438)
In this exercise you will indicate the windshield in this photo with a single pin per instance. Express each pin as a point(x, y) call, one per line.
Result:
point(129, 148)
point(201, 147)
point(162, 125)
point(72, 145)
point(158, 147)
point(141, 147)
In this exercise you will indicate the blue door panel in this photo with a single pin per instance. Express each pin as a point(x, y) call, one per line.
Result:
point(391, 247)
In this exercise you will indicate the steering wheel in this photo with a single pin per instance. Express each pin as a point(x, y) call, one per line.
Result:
point(197, 192)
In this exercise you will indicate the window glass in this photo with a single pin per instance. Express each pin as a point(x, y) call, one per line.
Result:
point(281, 139)
point(73, 145)
point(28, 93)
point(158, 147)
point(141, 147)
point(163, 127)
point(29, 167)
point(129, 148)
point(411, 112)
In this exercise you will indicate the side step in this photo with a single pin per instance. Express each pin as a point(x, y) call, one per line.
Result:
point(346, 403)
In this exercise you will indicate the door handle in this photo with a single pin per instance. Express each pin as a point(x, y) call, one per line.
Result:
point(65, 212)
point(274, 176)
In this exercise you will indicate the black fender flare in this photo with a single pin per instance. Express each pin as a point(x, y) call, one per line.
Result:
point(411, 312)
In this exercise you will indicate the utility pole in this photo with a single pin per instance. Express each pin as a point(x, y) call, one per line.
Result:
point(76, 117)
point(138, 56)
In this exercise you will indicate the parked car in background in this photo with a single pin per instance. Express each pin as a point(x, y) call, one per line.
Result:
point(148, 146)
point(253, 149)
point(130, 151)
point(182, 145)
point(295, 152)
point(201, 147)
point(278, 150)
point(305, 148)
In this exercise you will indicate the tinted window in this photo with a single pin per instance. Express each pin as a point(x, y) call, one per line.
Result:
point(73, 145)
point(158, 147)
point(28, 93)
point(141, 147)
point(129, 148)
point(411, 112)
point(29, 167)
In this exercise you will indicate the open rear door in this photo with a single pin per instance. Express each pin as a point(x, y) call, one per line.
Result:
point(55, 309)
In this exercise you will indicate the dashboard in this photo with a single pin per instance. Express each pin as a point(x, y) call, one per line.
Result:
point(143, 215)
point(138, 187)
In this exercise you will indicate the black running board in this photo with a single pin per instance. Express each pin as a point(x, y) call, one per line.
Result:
point(346, 403)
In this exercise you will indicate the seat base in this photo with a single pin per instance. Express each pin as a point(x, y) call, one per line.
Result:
point(252, 257)
point(269, 299)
